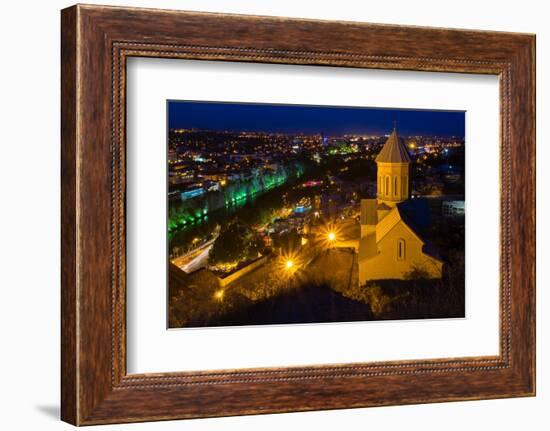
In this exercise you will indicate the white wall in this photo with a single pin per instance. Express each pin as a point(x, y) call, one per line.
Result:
point(29, 228)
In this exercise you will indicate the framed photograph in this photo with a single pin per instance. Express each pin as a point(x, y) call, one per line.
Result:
point(266, 215)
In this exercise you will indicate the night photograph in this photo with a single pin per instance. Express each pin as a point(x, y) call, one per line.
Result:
point(294, 214)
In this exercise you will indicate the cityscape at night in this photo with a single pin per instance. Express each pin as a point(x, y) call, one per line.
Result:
point(286, 214)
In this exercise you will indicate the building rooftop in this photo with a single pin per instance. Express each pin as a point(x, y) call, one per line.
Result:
point(393, 151)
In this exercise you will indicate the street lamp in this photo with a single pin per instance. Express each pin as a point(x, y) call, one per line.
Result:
point(288, 264)
point(331, 236)
point(219, 295)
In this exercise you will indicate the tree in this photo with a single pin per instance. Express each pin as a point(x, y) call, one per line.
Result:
point(288, 241)
point(236, 243)
point(417, 273)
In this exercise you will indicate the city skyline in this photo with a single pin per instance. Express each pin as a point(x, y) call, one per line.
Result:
point(312, 119)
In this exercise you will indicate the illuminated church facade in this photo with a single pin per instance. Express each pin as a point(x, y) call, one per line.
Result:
point(390, 245)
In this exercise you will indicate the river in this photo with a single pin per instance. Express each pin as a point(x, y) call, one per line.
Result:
point(254, 201)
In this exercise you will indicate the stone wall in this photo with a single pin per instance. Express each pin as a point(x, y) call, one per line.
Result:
point(239, 273)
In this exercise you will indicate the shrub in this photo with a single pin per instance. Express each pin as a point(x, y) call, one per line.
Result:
point(236, 243)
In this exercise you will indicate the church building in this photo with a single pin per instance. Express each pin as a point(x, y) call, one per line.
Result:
point(391, 246)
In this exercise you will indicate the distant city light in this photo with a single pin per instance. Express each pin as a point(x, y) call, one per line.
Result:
point(219, 295)
point(331, 236)
point(289, 264)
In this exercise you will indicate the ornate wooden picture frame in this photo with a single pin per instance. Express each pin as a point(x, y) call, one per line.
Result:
point(96, 41)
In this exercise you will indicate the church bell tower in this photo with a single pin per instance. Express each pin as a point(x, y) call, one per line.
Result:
point(393, 172)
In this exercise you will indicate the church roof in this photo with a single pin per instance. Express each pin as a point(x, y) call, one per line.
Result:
point(385, 225)
point(414, 214)
point(393, 151)
point(384, 206)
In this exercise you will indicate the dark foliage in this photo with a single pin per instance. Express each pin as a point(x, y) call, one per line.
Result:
point(236, 243)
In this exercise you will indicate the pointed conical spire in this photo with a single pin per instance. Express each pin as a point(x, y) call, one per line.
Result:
point(393, 151)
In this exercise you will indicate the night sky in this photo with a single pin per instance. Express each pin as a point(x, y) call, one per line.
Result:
point(306, 119)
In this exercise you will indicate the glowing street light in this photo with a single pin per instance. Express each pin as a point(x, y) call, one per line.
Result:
point(289, 263)
point(329, 234)
point(219, 295)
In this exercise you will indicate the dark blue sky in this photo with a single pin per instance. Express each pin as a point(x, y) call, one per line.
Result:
point(312, 119)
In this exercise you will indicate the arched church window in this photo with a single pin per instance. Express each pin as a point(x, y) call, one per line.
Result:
point(395, 186)
point(401, 249)
point(387, 190)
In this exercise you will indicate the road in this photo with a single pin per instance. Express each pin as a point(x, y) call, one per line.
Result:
point(195, 259)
